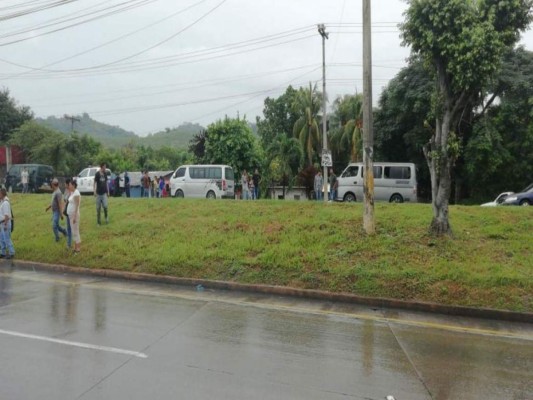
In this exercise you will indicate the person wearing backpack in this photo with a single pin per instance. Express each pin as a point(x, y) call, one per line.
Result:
point(7, 248)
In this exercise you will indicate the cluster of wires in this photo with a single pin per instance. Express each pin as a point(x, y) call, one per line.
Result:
point(228, 50)
point(127, 64)
point(74, 19)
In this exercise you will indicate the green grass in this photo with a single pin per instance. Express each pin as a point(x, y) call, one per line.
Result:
point(302, 244)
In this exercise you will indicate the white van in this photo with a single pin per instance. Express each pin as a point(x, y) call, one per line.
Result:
point(85, 179)
point(205, 181)
point(393, 182)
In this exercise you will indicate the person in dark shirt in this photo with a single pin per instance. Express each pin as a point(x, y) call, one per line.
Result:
point(101, 192)
point(256, 178)
point(127, 183)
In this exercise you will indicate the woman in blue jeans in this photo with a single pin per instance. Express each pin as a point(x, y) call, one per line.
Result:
point(57, 209)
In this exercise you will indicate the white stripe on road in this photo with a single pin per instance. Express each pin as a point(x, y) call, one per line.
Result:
point(74, 344)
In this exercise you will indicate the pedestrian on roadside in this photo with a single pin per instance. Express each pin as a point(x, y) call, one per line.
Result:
point(24, 179)
point(256, 180)
point(57, 210)
point(73, 211)
point(127, 184)
point(244, 183)
point(162, 187)
point(7, 248)
point(146, 184)
point(319, 185)
point(333, 184)
point(155, 187)
point(66, 196)
point(101, 192)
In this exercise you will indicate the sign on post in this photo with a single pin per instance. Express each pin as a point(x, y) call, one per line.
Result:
point(327, 160)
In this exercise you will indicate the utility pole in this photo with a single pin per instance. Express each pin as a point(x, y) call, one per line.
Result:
point(369, 222)
point(324, 34)
point(72, 120)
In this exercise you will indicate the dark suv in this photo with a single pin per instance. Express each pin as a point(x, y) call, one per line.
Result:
point(39, 180)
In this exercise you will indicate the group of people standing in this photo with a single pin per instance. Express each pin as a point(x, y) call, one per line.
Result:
point(156, 187)
point(66, 206)
point(250, 185)
point(319, 185)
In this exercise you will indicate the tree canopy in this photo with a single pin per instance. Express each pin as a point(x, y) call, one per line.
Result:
point(463, 42)
point(12, 115)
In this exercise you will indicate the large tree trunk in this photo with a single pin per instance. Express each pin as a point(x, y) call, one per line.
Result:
point(438, 157)
point(439, 163)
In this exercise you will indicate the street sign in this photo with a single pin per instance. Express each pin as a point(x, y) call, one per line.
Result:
point(327, 160)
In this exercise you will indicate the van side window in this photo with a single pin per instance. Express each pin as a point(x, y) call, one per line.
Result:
point(180, 173)
point(229, 174)
point(197, 172)
point(84, 173)
point(397, 172)
point(350, 171)
point(214, 173)
point(377, 172)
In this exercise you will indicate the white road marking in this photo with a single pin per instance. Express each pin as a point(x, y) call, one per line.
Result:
point(74, 344)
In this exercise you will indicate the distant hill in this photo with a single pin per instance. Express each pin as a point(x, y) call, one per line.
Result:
point(178, 137)
point(115, 137)
point(108, 135)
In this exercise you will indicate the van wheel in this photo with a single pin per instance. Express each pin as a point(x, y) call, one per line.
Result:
point(349, 197)
point(396, 198)
point(211, 195)
point(179, 194)
point(525, 202)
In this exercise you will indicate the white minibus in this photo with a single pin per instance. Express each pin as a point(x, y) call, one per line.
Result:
point(393, 182)
point(206, 181)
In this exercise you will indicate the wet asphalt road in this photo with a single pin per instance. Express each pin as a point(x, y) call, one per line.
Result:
point(76, 337)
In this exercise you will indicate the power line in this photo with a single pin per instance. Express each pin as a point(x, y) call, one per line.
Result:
point(103, 44)
point(180, 59)
point(127, 7)
point(180, 88)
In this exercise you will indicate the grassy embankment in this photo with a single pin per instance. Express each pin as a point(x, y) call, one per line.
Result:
point(302, 244)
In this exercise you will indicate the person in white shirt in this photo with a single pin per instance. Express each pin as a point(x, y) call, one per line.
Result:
point(24, 178)
point(8, 250)
point(73, 212)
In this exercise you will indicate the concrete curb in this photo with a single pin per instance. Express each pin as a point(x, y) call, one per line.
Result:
point(485, 313)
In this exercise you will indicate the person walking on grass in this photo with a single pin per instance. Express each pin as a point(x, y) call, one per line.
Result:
point(101, 192)
point(8, 250)
point(57, 210)
point(73, 211)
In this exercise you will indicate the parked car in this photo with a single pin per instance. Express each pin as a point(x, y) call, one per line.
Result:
point(523, 198)
point(498, 200)
point(40, 176)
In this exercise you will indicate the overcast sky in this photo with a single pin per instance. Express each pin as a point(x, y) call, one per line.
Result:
point(149, 64)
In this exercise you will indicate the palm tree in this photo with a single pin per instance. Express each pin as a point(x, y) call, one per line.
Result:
point(348, 121)
point(287, 153)
point(307, 106)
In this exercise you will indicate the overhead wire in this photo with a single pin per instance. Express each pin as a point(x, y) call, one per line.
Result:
point(184, 58)
point(127, 7)
point(43, 68)
point(145, 92)
point(49, 5)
